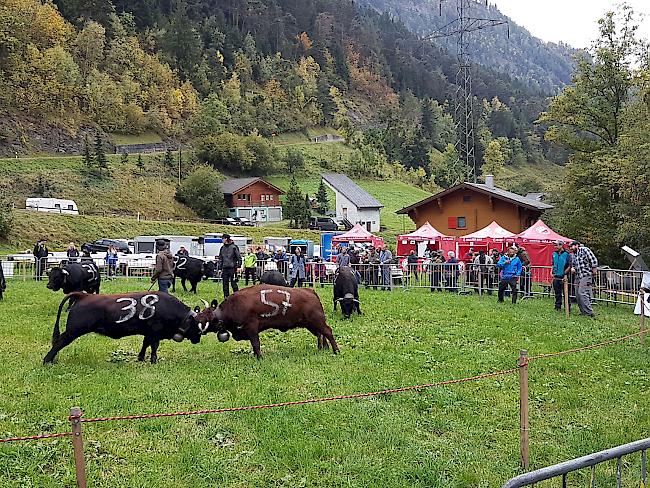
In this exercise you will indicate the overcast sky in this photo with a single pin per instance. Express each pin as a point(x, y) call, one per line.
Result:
point(571, 21)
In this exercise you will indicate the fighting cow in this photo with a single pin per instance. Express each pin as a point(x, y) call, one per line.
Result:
point(192, 270)
point(156, 316)
point(253, 310)
point(273, 277)
point(346, 292)
point(75, 277)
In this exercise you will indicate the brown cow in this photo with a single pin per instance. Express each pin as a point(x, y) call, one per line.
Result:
point(252, 310)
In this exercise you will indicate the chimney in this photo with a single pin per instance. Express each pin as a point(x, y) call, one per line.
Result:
point(489, 181)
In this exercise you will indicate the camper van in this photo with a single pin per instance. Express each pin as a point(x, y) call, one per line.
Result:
point(147, 244)
point(52, 205)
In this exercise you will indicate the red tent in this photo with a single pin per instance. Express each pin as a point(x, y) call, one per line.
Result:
point(426, 237)
point(358, 234)
point(538, 241)
point(484, 238)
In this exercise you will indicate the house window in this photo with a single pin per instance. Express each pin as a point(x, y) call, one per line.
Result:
point(461, 223)
point(467, 198)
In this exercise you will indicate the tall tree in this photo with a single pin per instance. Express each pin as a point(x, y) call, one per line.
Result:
point(293, 204)
point(100, 155)
point(494, 159)
point(321, 199)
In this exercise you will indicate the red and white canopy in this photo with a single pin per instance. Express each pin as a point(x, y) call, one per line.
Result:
point(358, 234)
point(426, 233)
point(493, 232)
point(541, 233)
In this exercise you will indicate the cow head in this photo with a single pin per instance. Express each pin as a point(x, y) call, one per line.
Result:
point(190, 328)
point(347, 304)
point(209, 268)
point(210, 319)
point(57, 278)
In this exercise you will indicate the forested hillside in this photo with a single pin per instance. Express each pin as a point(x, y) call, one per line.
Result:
point(543, 66)
point(222, 73)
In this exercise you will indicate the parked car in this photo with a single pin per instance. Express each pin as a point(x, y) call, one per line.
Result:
point(323, 223)
point(101, 245)
point(226, 221)
point(243, 221)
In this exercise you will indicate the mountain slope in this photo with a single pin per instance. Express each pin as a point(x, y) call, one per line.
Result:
point(544, 67)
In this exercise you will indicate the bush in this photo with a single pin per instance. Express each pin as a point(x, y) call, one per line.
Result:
point(6, 219)
point(237, 154)
point(201, 192)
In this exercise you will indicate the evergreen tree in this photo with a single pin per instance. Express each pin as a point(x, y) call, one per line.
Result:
point(294, 160)
point(88, 158)
point(321, 198)
point(100, 156)
point(493, 159)
point(306, 212)
point(169, 158)
point(140, 163)
point(293, 204)
point(125, 158)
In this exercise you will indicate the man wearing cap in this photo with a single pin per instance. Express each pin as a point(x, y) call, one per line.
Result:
point(510, 267)
point(229, 262)
point(585, 267)
point(164, 270)
point(561, 271)
point(40, 258)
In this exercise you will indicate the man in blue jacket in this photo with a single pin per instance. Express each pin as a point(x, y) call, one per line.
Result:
point(510, 267)
point(561, 271)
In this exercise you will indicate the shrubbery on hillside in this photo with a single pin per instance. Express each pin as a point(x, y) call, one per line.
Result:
point(237, 154)
point(201, 192)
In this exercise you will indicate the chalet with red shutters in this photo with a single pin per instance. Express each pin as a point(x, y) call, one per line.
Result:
point(468, 207)
point(253, 198)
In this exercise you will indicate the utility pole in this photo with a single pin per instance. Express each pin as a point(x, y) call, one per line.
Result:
point(461, 28)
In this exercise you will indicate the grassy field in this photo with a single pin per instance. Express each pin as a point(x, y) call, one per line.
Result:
point(145, 138)
point(457, 436)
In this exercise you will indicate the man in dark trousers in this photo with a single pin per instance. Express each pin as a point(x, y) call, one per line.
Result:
point(40, 258)
point(229, 262)
point(3, 282)
point(164, 270)
point(561, 270)
point(510, 267)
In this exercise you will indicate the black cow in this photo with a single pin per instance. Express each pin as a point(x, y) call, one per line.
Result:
point(273, 277)
point(346, 291)
point(192, 270)
point(156, 316)
point(3, 282)
point(75, 277)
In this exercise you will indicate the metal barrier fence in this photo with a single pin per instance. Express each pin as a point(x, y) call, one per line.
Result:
point(610, 286)
point(589, 461)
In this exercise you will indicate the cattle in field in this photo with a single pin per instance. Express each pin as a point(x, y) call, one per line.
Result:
point(75, 277)
point(346, 292)
point(193, 270)
point(156, 316)
point(252, 310)
point(273, 277)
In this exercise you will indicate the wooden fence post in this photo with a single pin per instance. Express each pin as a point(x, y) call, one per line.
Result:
point(523, 409)
point(642, 318)
point(567, 300)
point(78, 445)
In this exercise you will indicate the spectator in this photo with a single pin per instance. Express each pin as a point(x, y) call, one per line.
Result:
point(297, 265)
point(526, 275)
point(250, 266)
point(343, 258)
point(373, 268)
point(561, 270)
point(585, 266)
point(111, 260)
point(281, 260)
point(320, 271)
point(412, 262)
point(385, 258)
point(164, 270)
point(72, 253)
point(452, 272)
point(229, 263)
point(436, 267)
point(262, 259)
point(483, 269)
point(40, 258)
point(3, 282)
point(182, 252)
point(510, 267)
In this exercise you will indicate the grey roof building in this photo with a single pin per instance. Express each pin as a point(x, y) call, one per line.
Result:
point(353, 202)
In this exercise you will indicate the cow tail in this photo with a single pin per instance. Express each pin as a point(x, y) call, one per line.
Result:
point(56, 333)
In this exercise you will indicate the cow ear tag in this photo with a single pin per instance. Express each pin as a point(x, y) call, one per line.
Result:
point(214, 304)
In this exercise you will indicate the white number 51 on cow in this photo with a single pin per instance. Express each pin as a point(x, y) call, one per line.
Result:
point(286, 303)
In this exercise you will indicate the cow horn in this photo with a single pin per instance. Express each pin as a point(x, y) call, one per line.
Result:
point(65, 271)
point(339, 299)
point(205, 304)
point(355, 300)
point(192, 313)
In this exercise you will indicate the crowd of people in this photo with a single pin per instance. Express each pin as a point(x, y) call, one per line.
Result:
point(508, 273)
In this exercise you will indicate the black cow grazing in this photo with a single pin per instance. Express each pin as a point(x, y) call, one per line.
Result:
point(156, 316)
point(252, 310)
point(192, 270)
point(75, 277)
point(273, 277)
point(346, 292)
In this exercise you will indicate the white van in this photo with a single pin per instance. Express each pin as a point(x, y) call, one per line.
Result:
point(52, 205)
